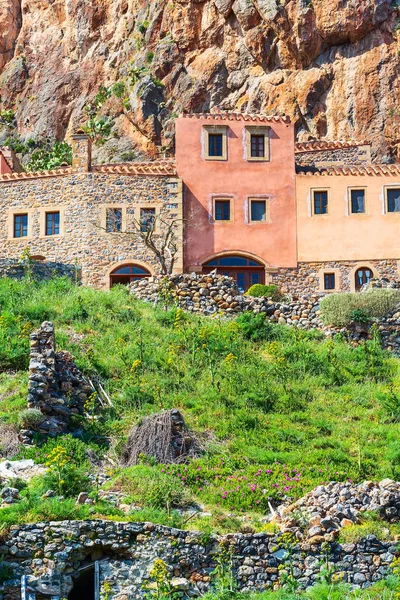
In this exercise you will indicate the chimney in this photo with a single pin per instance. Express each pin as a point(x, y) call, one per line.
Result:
point(81, 152)
point(9, 162)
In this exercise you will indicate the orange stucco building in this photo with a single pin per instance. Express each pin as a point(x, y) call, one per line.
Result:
point(309, 217)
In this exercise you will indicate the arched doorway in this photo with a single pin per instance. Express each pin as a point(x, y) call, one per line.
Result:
point(245, 271)
point(84, 584)
point(363, 275)
point(127, 273)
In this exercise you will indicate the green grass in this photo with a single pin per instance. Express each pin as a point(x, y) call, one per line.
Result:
point(279, 410)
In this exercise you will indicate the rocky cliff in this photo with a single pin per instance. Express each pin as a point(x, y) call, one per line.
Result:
point(332, 66)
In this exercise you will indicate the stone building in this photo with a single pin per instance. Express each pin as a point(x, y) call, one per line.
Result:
point(243, 197)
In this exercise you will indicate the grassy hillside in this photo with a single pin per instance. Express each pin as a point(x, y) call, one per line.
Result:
point(278, 410)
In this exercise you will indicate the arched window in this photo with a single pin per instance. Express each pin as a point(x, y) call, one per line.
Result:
point(363, 276)
point(245, 271)
point(127, 273)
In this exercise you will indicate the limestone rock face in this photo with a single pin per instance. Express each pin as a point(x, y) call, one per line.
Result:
point(333, 67)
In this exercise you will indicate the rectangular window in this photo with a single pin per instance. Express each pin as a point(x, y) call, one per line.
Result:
point(147, 219)
point(258, 210)
point(393, 199)
point(222, 210)
point(215, 144)
point(320, 203)
point(113, 220)
point(257, 143)
point(52, 223)
point(357, 201)
point(329, 281)
point(20, 225)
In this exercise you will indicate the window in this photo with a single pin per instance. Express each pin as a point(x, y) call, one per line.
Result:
point(128, 273)
point(257, 146)
point(320, 203)
point(20, 226)
point(52, 223)
point(393, 199)
point(329, 281)
point(215, 142)
point(222, 210)
point(357, 201)
point(113, 220)
point(363, 276)
point(258, 210)
point(257, 140)
point(147, 219)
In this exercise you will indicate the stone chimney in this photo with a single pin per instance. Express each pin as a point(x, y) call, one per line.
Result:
point(81, 152)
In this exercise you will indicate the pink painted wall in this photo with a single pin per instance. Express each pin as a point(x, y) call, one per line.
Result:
point(274, 242)
point(4, 168)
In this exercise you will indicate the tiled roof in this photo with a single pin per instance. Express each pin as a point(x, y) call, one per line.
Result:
point(62, 171)
point(374, 169)
point(157, 167)
point(228, 116)
point(160, 167)
point(318, 145)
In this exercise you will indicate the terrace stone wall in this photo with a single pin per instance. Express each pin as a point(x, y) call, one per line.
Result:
point(351, 155)
point(51, 554)
point(82, 199)
point(307, 278)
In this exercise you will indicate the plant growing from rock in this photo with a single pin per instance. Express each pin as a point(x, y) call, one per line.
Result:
point(30, 418)
point(161, 586)
point(223, 581)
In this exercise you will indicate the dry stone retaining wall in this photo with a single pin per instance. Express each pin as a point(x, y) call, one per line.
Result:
point(51, 554)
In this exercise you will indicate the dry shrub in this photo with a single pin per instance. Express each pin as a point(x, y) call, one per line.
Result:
point(337, 309)
point(9, 443)
point(163, 437)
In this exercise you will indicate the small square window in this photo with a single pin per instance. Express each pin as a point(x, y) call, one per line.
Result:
point(114, 220)
point(222, 210)
point(329, 281)
point(258, 210)
point(20, 226)
point(393, 199)
point(52, 223)
point(257, 141)
point(357, 201)
point(147, 219)
point(320, 201)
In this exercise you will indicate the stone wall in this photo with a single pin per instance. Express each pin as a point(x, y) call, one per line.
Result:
point(56, 387)
point(306, 278)
point(351, 155)
point(50, 554)
point(82, 199)
point(18, 269)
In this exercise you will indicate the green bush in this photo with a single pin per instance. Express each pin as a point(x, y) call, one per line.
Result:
point(31, 418)
point(258, 290)
point(337, 309)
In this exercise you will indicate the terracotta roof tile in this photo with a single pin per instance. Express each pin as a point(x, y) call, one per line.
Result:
point(318, 145)
point(231, 116)
point(164, 168)
point(374, 169)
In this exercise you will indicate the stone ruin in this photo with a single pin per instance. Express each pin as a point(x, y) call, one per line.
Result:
point(56, 386)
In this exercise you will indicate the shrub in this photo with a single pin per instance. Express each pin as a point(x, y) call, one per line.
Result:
point(9, 443)
point(256, 327)
point(258, 290)
point(31, 418)
point(339, 309)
